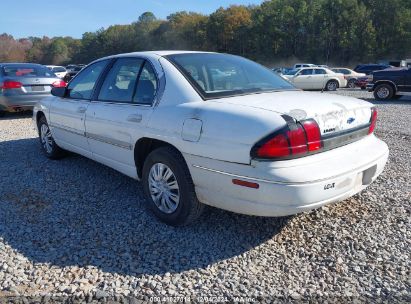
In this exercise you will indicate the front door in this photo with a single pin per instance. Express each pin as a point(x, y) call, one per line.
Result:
point(67, 115)
point(303, 79)
point(115, 120)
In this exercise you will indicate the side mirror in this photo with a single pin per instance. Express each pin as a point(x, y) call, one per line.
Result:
point(59, 92)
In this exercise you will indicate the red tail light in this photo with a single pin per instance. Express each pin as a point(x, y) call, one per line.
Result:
point(292, 141)
point(313, 134)
point(373, 120)
point(59, 84)
point(10, 84)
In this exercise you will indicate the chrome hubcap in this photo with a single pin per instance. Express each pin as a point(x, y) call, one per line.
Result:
point(46, 138)
point(383, 92)
point(332, 86)
point(163, 187)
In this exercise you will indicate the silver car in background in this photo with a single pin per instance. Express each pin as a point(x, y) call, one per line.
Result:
point(23, 84)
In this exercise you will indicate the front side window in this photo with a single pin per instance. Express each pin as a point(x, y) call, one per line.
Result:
point(219, 75)
point(120, 82)
point(307, 72)
point(82, 86)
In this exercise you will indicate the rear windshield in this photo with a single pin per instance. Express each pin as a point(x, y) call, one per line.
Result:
point(59, 69)
point(27, 71)
point(219, 75)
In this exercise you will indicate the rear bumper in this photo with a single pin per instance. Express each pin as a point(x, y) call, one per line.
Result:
point(290, 187)
point(17, 102)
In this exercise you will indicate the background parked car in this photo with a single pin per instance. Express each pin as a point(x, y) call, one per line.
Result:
point(281, 71)
point(369, 68)
point(60, 71)
point(390, 83)
point(23, 84)
point(350, 75)
point(362, 82)
point(316, 78)
point(72, 71)
point(303, 65)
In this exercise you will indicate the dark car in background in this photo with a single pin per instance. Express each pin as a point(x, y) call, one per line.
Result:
point(369, 68)
point(23, 84)
point(390, 83)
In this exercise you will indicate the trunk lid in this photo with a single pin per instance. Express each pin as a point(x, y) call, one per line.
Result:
point(333, 113)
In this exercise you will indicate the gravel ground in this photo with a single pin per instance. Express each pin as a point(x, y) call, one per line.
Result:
point(75, 228)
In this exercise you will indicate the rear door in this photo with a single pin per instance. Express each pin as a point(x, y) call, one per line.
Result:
point(318, 79)
point(119, 112)
point(67, 115)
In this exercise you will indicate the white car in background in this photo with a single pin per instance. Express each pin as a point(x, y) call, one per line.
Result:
point(350, 75)
point(316, 78)
point(303, 65)
point(241, 139)
point(59, 71)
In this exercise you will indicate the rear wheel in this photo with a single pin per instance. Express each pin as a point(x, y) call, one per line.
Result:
point(331, 85)
point(351, 84)
point(383, 92)
point(2, 113)
point(169, 188)
point(49, 146)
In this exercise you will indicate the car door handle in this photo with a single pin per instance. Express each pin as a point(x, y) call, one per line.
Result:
point(135, 118)
point(81, 109)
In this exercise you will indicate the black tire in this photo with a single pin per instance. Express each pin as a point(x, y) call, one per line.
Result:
point(383, 92)
point(2, 113)
point(331, 85)
point(363, 88)
point(188, 208)
point(351, 84)
point(53, 151)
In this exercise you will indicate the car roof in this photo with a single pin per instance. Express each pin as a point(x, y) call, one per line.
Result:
point(19, 63)
point(155, 53)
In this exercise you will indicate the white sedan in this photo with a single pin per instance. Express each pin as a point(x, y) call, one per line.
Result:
point(316, 78)
point(59, 71)
point(213, 129)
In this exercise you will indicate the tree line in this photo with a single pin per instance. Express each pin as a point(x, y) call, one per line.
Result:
point(320, 31)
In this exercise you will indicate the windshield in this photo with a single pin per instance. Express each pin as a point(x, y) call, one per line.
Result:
point(219, 75)
point(291, 72)
point(27, 71)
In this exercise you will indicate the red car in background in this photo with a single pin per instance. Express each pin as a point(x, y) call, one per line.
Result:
point(362, 82)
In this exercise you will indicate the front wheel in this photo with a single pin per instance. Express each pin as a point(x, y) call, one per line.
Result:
point(49, 146)
point(383, 92)
point(169, 188)
point(331, 85)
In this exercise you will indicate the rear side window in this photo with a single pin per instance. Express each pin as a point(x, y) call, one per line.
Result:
point(27, 71)
point(147, 85)
point(82, 86)
point(121, 81)
point(130, 80)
